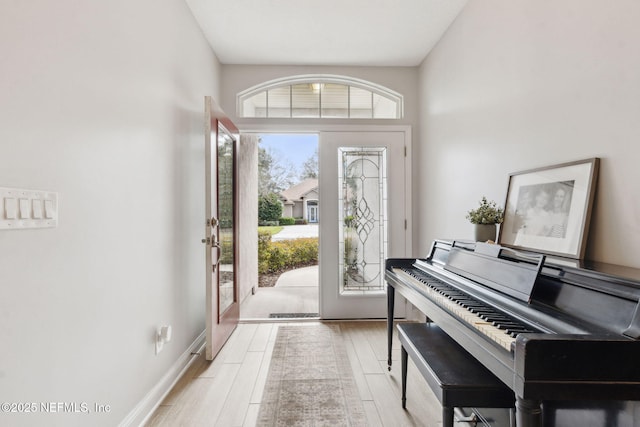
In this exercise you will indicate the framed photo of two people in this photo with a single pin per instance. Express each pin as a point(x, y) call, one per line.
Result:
point(548, 209)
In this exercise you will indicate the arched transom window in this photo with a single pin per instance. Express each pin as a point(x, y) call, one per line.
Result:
point(320, 96)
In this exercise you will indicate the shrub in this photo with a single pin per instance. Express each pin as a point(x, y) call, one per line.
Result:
point(264, 238)
point(284, 255)
point(264, 242)
point(269, 207)
point(279, 257)
point(285, 220)
point(301, 221)
point(268, 223)
point(304, 252)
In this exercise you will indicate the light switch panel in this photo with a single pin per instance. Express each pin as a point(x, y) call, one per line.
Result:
point(23, 209)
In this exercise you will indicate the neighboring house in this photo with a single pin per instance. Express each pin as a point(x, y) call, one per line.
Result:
point(301, 200)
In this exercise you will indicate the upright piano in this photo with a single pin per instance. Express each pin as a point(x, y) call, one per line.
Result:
point(560, 333)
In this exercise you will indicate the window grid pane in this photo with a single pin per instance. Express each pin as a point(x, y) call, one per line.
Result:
point(383, 108)
point(305, 100)
point(335, 101)
point(360, 103)
point(280, 102)
point(255, 106)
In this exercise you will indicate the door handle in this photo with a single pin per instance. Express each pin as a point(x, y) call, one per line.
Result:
point(213, 241)
point(217, 261)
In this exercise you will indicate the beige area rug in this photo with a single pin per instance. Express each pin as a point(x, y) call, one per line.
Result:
point(310, 381)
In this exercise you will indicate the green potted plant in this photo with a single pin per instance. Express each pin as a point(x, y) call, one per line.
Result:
point(485, 218)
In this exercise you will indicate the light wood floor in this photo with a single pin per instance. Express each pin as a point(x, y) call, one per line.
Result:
point(227, 391)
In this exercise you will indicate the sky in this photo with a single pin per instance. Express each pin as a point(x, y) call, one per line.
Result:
point(295, 148)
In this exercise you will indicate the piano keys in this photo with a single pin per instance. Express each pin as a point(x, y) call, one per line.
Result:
point(550, 330)
point(499, 327)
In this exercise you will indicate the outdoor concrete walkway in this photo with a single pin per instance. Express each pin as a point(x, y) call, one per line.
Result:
point(300, 277)
point(296, 291)
point(296, 231)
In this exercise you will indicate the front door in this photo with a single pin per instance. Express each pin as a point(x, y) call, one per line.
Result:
point(313, 213)
point(364, 178)
point(223, 309)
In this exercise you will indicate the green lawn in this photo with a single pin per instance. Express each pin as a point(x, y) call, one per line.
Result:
point(272, 230)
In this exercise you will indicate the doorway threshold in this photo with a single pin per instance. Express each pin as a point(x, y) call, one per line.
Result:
point(292, 315)
point(280, 319)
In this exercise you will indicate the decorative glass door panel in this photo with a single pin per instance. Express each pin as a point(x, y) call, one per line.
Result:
point(362, 219)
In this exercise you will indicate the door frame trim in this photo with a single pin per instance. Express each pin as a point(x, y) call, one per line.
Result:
point(248, 128)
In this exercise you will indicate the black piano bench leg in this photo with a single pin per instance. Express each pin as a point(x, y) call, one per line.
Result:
point(447, 416)
point(404, 356)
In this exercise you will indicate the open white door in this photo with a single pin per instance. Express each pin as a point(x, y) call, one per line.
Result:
point(365, 214)
point(223, 308)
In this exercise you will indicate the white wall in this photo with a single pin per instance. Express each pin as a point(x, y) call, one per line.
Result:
point(103, 103)
point(519, 85)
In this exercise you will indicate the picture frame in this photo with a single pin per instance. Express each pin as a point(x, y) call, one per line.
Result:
point(548, 209)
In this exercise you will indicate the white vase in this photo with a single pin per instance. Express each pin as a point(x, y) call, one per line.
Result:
point(485, 232)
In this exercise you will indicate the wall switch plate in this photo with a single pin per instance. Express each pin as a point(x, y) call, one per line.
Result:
point(22, 209)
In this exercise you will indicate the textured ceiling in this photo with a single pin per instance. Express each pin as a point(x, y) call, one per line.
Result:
point(324, 32)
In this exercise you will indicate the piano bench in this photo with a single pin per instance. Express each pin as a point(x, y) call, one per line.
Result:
point(455, 376)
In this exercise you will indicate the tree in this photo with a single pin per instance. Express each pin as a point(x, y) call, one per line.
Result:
point(269, 207)
point(310, 167)
point(275, 174)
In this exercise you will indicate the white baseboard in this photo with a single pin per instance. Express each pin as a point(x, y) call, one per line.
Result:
point(145, 408)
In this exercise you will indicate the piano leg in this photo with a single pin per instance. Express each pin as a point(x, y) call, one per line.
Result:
point(528, 413)
point(390, 305)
